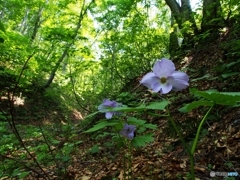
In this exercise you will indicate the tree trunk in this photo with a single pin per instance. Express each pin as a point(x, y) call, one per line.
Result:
point(212, 19)
point(182, 13)
point(68, 46)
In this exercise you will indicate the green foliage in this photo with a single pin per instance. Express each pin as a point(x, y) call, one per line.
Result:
point(94, 149)
point(47, 152)
point(195, 104)
point(141, 141)
point(3, 30)
point(227, 69)
point(102, 125)
point(2, 27)
point(212, 97)
point(127, 98)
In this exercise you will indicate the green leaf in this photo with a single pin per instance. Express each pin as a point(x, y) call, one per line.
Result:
point(94, 149)
point(226, 75)
point(141, 141)
point(223, 98)
point(141, 129)
point(133, 120)
point(23, 174)
point(102, 125)
point(200, 78)
point(78, 142)
point(232, 63)
point(158, 105)
point(189, 107)
point(126, 109)
point(90, 115)
point(150, 126)
point(54, 141)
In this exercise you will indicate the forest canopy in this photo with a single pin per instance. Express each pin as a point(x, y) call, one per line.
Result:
point(98, 46)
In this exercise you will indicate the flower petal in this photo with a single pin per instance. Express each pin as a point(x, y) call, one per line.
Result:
point(163, 68)
point(130, 136)
point(107, 102)
point(156, 86)
point(128, 131)
point(148, 79)
point(109, 115)
point(166, 88)
point(179, 80)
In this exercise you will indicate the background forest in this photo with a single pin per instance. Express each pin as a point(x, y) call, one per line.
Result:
point(59, 59)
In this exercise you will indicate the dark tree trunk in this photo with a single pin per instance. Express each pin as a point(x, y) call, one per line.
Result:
point(183, 15)
point(212, 19)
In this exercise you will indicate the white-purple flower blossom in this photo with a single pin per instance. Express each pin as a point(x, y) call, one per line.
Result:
point(128, 131)
point(109, 104)
point(164, 78)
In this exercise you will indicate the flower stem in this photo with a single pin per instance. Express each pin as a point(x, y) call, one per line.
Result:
point(199, 130)
point(129, 160)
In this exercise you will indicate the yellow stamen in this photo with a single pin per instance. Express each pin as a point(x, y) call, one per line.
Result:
point(163, 80)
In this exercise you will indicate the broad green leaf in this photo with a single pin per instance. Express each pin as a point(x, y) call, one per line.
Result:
point(102, 125)
point(223, 98)
point(231, 93)
point(189, 107)
point(140, 141)
point(133, 120)
point(158, 105)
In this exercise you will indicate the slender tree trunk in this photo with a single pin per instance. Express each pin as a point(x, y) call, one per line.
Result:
point(68, 46)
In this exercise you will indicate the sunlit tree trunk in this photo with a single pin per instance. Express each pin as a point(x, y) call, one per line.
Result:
point(68, 46)
point(173, 41)
point(182, 13)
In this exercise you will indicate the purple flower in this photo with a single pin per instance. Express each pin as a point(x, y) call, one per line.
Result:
point(164, 78)
point(128, 131)
point(108, 104)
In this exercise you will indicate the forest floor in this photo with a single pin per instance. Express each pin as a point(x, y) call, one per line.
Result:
point(218, 149)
